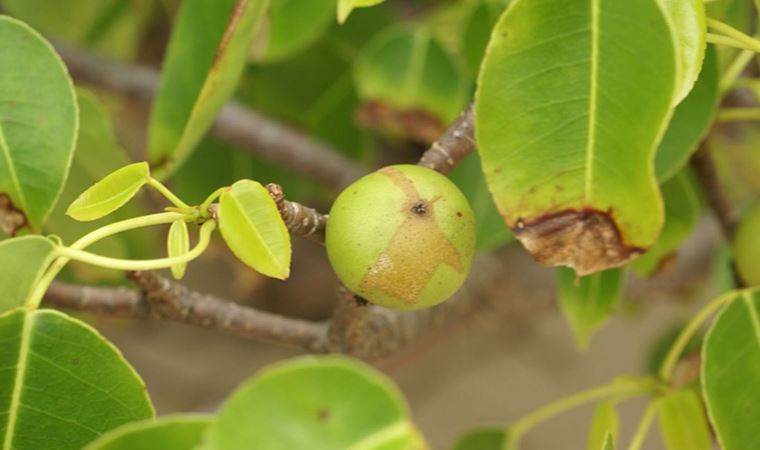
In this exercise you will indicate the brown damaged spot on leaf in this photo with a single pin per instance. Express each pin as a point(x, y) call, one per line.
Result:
point(587, 241)
point(415, 251)
point(412, 124)
point(12, 219)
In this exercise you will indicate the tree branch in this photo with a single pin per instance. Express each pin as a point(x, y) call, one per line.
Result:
point(164, 299)
point(453, 146)
point(236, 124)
point(707, 176)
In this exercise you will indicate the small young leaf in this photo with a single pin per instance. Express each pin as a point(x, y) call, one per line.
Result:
point(746, 247)
point(588, 302)
point(326, 403)
point(687, 19)
point(24, 259)
point(609, 442)
point(682, 207)
point(64, 385)
point(730, 368)
point(177, 244)
point(558, 88)
point(253, 229)
point(38, 126)
point(691, 120)
point(683, 423)
point(604, 425)
point(110, 193)
point(177, 432)
point(206, 55)
point(482, 439)
point(346, 6)
point(292, 25)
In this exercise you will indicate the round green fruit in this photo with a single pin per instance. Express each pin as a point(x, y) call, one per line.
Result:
point(402, 237)
point(746, 248)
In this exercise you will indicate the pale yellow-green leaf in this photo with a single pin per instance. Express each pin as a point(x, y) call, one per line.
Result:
point(604, 425)
point(687, 19)
point(253, 229)
point(110, 193)
point(177, 244)
point(346, 6)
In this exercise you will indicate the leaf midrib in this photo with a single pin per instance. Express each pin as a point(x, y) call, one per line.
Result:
point(591, 139)
point(12, 170)
point(21, 366)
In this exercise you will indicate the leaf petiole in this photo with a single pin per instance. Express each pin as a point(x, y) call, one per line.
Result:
point(644, 425)
point(163, 190)
point(735, 114)
point(147, 264)
point(739, 39)
point(211, 199)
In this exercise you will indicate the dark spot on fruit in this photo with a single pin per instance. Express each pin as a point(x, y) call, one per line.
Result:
point(419, 208)
point(586, 240)
point(323, 415)
point(497, 170)
point(459, 214)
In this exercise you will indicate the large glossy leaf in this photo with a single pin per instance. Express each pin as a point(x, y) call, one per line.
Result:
point(605, 424)
point(253, 229)
point(409, 70)
point(346, 6)
point(730, 373)
point(326, 403)
point(110, 193)
point(687, 18)
point(179, 432)
point(24, 259)
point(62, 384)
point(691, 121)
point(683, 424)
point(482, 439)
point(38, 126)
point(492, 232)
point(291, 26)
point(206, 55)
point(588, 302)
point(682, 207)
point(571, 103)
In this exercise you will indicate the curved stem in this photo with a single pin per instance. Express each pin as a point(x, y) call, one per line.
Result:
point(146, 264)
point(728, 41)
point(643, 429)
point(160, 187)
point(734, 114)
point(622, 389)
point(735, 69)
point(33, 301)
point(210, 199)
point(666, 370)
point(747, 41)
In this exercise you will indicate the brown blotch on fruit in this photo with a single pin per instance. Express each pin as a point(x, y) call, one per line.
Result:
point(415, 251)
point(587, 241)
point(12, 219)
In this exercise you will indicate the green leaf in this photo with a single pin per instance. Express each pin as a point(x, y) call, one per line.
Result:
point(346, 6)
point(476, 32)
point(97, 155)
point(177, 432)
point(682, 422)
point(730, 372)
point(319, 403)
point(588, 302)
point(482, 439)
point(24, 261)
point(682, 208)
point(110, 193)
point(177, 244)
point(609, 442)
point(204, 61)
point(492, 232)
point(605, 425)
point(746, 247)
point(38, 126)
point(409, 70)
point(253, 229)
point(687, 18)
point(63, 384)
point(691, 121)
point(291, 26)
point(559, 88)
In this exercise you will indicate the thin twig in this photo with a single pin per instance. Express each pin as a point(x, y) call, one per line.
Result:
point(453, 146)
point(161, 298)
point(301, 220)
point(707, 176)
point(236, 124)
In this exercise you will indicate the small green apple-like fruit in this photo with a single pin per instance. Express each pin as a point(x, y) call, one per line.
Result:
point(746, 247)
point(402, 237)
